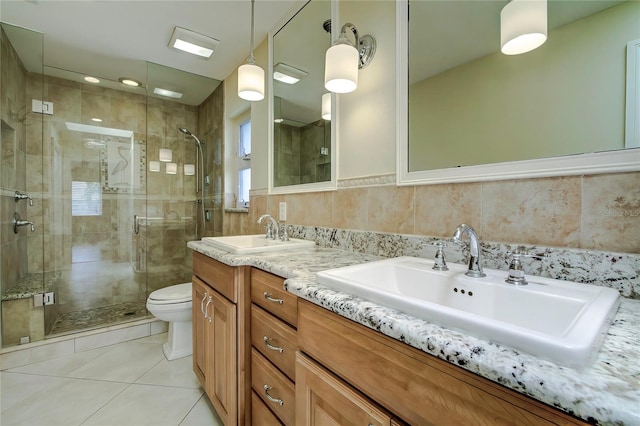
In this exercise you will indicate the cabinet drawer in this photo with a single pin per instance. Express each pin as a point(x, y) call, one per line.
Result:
point(260, 414)
point(273, 387)
point(276, 340)
point(268, 291)
point(217, 275)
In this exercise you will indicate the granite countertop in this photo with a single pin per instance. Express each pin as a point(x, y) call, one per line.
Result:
point(606, 392)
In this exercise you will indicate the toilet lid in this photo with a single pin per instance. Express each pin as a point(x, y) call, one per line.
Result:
point(173, 294)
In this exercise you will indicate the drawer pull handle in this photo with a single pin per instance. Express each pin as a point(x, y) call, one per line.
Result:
point(206, 310)
point(271, 299)
point(270, 398)
point(270, 346)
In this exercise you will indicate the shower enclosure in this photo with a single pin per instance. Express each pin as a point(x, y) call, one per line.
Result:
point(110, 220)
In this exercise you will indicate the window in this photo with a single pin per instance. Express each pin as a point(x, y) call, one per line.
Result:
point(86, 199)
point(244, 163)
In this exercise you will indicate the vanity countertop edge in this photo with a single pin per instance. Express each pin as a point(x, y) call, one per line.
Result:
point(606, 392)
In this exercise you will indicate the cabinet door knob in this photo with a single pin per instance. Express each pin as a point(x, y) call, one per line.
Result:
point(270, 398)
point(272, 299)
point(270, 346)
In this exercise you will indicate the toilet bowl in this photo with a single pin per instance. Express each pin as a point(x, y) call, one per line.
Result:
point(173, 304)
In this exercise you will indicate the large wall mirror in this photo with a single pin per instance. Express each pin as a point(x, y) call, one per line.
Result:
point(303, 151)
point(476, 114)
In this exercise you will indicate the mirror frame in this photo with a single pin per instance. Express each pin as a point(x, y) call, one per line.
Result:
point(330, 185)
point(625, 160)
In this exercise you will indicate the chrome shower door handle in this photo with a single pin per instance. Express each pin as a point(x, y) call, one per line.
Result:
point(136, 224)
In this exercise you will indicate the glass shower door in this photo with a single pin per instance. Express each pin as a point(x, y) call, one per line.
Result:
point(23, 271)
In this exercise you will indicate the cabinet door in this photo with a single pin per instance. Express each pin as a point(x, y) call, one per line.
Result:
point(221, 358)
point(200, 297)
point(323, 399)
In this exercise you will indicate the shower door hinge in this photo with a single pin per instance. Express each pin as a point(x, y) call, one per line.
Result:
point(41, 299)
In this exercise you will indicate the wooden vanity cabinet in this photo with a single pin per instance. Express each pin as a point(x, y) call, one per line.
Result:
point(418, 388)
point(274, 313)
point(221, 355)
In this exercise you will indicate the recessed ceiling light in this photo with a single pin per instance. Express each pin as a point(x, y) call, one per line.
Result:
point(168, 93)
point(288, 74)
point(91, 79)
point(97, 120)
point(129, 82)
point(192, 42)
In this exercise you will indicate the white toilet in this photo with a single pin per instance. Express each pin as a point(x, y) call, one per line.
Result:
point(173, 304)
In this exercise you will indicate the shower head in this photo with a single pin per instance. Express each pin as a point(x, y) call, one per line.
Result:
point(188, 133)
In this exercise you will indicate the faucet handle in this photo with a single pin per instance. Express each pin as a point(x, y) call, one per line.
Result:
point(440, 261)
point(516, 270)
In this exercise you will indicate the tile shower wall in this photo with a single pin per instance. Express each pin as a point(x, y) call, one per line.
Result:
point(298, 162)
point(170, 198)
point(211, 129)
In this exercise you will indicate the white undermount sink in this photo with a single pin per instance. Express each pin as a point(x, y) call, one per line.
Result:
point(559, 320)
point(247, 244)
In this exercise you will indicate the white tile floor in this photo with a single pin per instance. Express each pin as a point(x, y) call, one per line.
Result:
point(126, 384)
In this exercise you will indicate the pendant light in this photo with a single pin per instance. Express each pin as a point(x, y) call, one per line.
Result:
point(523, 26)
point(250, 75)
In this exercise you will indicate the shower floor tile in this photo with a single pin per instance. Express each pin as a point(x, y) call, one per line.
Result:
point(87, 319)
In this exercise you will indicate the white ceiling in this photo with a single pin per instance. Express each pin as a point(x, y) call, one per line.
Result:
point(113, 38)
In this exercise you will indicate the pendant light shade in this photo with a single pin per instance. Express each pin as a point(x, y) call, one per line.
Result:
point(251, 76)
point(341, 68)
point(523, 26)
point(251, 82)
point(343, 60)
point(326, 106)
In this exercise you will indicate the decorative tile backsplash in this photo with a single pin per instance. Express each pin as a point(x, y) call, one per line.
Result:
point(620, 271)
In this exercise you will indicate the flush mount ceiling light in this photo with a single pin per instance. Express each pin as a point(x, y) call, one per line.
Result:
point(97, 120)
point(288, 74)
point(523, 26)
point(129, 82)
point(250, 75)
point(166, 92)
point(343, 60)
point(192, 42)
point(90, 79)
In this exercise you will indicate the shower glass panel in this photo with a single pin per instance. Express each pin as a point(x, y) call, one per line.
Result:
point(25, 276)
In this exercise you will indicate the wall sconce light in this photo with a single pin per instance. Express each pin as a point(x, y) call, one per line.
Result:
point(189, 169)
point(343, 60)
point(165, 155)
point(250, 75)
point(523, 26)
point(154, 166)
point(326, 106)
point(172, 168)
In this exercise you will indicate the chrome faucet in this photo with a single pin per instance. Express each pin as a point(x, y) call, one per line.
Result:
point(273, 232)
point(475, 256)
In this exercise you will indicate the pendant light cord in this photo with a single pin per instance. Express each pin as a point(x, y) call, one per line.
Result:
point(251, 58)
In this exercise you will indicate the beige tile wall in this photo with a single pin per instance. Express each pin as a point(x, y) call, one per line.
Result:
point(598, 212)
